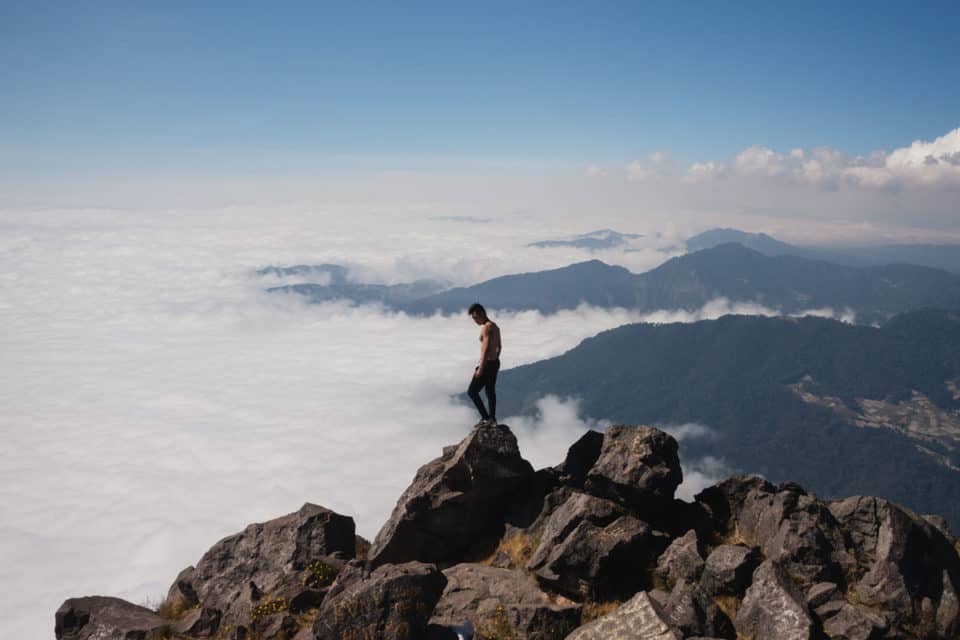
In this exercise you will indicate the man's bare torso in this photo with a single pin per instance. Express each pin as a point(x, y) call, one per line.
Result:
point(489, 341)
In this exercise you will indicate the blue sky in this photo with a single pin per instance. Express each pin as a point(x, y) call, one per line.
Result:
point(161, 86)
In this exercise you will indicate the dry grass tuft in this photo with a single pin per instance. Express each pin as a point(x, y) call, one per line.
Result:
point(361, 548)
point(519, 548)
point(593, 610)
point(174, 609)
point(730, 605)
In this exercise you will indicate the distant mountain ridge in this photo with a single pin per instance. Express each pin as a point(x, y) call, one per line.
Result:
point(786, 284)
point(935, 256)
point(839, 408)
point(592, 241)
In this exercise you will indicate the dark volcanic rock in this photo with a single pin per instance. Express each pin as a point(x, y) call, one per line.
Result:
point(692, 612)
point(394, 602)
point(638, 467)
point(454, 509)
point(790, 526)
point(637, 618)
point(592, 547)
point(103, 618)
point(200, 622)
point(773, 608)
point(822, 593)
point(500, 603)
point(581, 456)
point(854, 623)
point(729, 569)
point(905, 561)
point(269, 565)
point(181, 591)
point(681, 561)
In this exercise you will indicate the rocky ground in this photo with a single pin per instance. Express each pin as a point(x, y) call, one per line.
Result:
point(597, 548)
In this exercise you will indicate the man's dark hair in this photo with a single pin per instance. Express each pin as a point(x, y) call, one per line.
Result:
point(475, 308)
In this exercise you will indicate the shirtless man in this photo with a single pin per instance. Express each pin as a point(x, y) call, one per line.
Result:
point(485, 375)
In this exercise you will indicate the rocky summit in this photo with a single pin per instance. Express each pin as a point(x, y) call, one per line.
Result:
point(483, 547)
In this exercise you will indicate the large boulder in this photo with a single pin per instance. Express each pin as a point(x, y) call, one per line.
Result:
point(790, 526)
point(638, 618)
point(454, 510)
point(909, 568)
point(592, 547)
point(393, 602)
point(104, 618)
point(638, 467)
point(773, 607)
point(500, 603)
point(729, 569)
point(851, 622)
point(581, 456)
point(267, 569)
point(681, 561)
point(694, 613)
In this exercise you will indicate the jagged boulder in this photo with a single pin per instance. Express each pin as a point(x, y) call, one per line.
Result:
point(454, 510)
point(592, 547)
point(500, 603)
point(254, 577)
point(393, 602)
point(639, 617)
point(822, 593)
point(694, 613)
point(729, 569)
point(681, 561)
point(198, 622)
point(790, 526)
point(773, 608)
point(104, 618)
point(581, 456)
point(854, 623)
point(638, 467)
point(909, 567)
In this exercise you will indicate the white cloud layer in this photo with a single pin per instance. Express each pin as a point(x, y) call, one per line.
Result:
point(155, 399)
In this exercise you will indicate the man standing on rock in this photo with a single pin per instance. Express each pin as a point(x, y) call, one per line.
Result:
point(485, 375)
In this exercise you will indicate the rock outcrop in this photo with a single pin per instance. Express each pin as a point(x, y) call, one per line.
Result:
point(481, 547)
point(455, 507)
point(393, 602)
point(491, 600)
point(103, 618)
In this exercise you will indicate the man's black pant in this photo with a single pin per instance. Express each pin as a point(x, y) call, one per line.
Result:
point(486, 381)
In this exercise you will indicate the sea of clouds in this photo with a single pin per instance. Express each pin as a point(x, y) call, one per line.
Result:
point(154, 398)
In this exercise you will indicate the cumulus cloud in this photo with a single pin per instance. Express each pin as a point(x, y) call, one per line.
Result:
point(922, 163)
